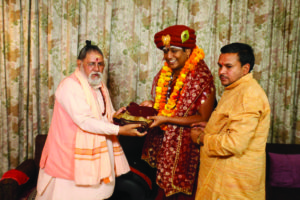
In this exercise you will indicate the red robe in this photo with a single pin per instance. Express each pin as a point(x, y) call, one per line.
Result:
point(173, 152)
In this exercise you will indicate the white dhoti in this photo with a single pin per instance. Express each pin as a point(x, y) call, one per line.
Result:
point(51, 188)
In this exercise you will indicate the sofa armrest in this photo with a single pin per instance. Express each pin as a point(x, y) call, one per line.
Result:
point(130, 186)
point(11, 190)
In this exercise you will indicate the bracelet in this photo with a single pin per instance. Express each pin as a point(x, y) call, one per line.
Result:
point(199, 138)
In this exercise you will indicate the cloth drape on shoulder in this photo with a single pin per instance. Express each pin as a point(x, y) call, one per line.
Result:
point(92, 162)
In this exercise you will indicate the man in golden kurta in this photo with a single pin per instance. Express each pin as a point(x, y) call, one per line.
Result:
point(232, 152)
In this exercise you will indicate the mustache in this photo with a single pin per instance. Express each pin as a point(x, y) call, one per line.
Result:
point(96, 81)
point(95, 73)
point(222, 76)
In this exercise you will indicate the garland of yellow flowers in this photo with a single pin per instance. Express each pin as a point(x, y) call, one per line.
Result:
point(167, 107)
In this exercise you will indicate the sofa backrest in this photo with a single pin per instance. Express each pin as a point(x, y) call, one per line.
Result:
point(39, 145)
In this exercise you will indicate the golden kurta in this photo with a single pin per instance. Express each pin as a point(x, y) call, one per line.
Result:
point(232, 160)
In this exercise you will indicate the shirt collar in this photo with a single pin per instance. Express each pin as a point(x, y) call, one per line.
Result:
point(245, 78)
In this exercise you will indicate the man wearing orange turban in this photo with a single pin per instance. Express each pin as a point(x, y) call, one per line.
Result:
point(183, 93)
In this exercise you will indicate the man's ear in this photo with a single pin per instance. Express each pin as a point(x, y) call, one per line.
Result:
point(188, 52)
point(78, 63)
point(246, 68)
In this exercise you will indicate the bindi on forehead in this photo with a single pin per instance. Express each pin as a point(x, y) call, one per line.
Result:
point(98, 59)
point(221, 62)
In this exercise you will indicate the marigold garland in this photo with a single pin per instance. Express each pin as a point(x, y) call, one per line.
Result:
point(166, 107)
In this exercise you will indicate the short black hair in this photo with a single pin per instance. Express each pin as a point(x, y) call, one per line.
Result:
point(244, 51)
point(88, 48)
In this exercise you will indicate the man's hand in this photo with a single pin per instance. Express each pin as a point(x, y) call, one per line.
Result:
point(120, 110)
point(131, 130)
point(199, 124)
point(158, 120)
point(197, 132)
point(147, 103)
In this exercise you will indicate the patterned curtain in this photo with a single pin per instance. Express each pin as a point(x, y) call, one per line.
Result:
point(40, 40)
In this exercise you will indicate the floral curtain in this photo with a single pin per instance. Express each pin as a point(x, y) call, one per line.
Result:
point(40, 40)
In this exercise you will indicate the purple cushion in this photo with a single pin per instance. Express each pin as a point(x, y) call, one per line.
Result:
point(284, 170)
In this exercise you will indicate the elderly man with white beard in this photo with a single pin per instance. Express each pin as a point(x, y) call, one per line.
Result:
point(82, 155)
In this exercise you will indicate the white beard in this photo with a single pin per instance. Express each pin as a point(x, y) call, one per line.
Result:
point(96, 81)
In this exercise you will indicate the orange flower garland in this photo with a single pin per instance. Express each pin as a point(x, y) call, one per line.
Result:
point(167, 107)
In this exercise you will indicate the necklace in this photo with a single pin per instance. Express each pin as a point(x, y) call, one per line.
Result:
point(104, 112)
point(167, 106)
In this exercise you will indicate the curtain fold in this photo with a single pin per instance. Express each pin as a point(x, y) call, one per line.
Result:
point(40, 41)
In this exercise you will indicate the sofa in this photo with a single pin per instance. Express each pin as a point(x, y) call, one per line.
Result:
point(139, 183)
point(10, 189)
